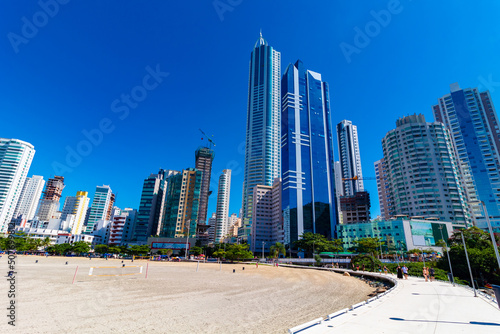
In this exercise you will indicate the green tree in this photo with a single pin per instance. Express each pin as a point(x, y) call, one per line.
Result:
point(80, 247)
point(114, 250)
point(46, 242)
point(59, 249)
point(482, 257)
point(368, 245)
point(316, 242)
point(101, 249)
point(277, 249)
point(238, 252)
point(196, 250)
point(140, 250)
point(166, 252)
point(219, 253)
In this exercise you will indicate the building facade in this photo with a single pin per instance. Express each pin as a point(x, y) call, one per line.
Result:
point(263, 142)
point(49, 204)
point(398, 235)
point(222, 212)
point(350, 160)
point(151, 206)
point(384, 194)
point(204, 158)
point(182, 204)
point(15, 161)
point(422, 172)
point(267, 222)
point(102, 204)
point(473, 123)
point(355, 208)
point(30, 196)
point(309, 203)
point(121, 227)
point(77, 206)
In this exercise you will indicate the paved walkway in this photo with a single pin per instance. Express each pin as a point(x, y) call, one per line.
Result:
point(416, 306)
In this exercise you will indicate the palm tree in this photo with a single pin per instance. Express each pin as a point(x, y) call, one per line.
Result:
point(45, 242)
point(277, 249)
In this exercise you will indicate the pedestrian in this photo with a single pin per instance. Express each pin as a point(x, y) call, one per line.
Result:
point(405, 271)
point(363, 267)
point(380, 269)
point(431, 274)
point(357, 268)
point(385, 270)
point(400, 272)
point(425, 273)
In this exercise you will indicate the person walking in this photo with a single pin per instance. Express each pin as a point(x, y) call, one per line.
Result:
point(385, 270)
point(400, 273)
point(431, 274)
point(405, 271)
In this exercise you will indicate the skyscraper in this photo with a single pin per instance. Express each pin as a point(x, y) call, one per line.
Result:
point(263, 137)
point(422, 172)
point(350, 161)
point(473, 123)
point(49, 204)
point(151, 206)
point(182, 204)
point(30, 195)
point(384, 194)
point(222, 212)
point(307, 155)
point(101, 207)
point(77, 206)
point(267, 222)
point(15, 161)
point(204, 158)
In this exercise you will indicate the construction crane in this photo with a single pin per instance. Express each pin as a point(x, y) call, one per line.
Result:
point(208, 138)
point(360, 178)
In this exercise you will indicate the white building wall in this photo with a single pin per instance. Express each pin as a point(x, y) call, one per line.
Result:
point(30, 195)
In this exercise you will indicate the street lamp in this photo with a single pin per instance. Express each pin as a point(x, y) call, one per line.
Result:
point(313, 247)
point(468, 264)
point(447, 255)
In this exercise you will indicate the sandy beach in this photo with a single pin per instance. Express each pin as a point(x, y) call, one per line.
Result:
point(174, 298)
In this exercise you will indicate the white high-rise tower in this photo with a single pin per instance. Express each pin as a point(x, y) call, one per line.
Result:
point(15, 161)
point(28, 201)
point(350, 161)
point(222, 212)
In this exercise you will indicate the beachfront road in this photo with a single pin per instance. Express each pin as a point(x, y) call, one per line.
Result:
point(417, 306)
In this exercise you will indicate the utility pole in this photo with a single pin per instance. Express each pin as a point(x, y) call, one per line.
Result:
point(263, 243)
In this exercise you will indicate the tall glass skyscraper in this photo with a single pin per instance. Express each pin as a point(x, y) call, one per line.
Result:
point(222, 214)
point(308, 187)
point(262, 146)
point(151, 207)
point(473, 123)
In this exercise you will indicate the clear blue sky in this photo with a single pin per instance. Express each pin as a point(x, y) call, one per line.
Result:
point(65, 76)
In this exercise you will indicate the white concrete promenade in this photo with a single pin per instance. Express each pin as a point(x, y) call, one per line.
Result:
point(416, 306)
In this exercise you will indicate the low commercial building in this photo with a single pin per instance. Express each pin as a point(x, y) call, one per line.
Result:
point(398, 234)
point(178, 245)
